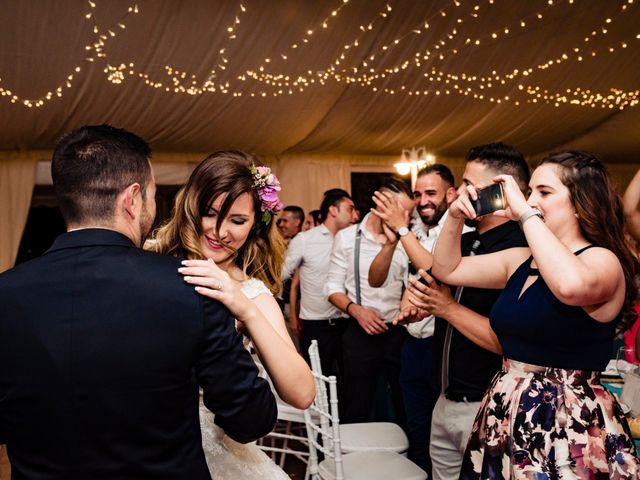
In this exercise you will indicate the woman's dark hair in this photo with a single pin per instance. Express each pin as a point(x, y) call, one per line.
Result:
point(600, 217)
point(223, 173)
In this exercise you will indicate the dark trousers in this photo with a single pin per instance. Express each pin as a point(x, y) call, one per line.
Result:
point(329, 337)
point(420, 392)
point(367, 359)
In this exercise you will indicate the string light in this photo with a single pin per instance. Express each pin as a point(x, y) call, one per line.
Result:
point(364, 72)
point(93, 49)
point(367, 80)
point(475, 42)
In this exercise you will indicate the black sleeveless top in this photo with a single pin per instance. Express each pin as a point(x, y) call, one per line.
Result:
point(538, 328)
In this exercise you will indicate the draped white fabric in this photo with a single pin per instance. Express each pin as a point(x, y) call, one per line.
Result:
point(17, 178)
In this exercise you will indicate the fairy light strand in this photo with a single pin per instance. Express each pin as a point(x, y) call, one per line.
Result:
point(364, 74)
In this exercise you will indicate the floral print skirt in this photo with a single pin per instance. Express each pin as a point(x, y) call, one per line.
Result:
point(538, 423)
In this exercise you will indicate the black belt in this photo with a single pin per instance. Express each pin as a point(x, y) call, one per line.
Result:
point(461, 397)
point(328, 321)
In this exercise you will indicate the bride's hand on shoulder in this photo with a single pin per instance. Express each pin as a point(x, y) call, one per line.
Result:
point(211, 281)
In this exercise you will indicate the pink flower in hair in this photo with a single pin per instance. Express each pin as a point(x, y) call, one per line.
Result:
point(267, 187)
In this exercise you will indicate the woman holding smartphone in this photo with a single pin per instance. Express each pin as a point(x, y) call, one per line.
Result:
point(546, 415)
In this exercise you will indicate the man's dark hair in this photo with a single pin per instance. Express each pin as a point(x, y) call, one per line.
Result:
point(296, 211)
point(396, 186)
point(92, 165)
point(331, 199)
point(439, 169)
point(334, 191)
point(315, 214)
point(502, 159)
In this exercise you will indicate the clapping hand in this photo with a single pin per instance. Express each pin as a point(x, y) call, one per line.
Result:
point(430, 296)
point(410, 314)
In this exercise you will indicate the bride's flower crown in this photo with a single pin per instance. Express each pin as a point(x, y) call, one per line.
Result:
point(267, 186)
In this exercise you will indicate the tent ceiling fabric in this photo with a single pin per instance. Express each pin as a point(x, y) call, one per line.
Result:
point(42, 43)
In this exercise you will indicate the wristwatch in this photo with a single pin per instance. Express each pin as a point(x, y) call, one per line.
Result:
point(402, 231)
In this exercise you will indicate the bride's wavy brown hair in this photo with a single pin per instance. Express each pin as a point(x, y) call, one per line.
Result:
point(600, 217)
point(223, 173)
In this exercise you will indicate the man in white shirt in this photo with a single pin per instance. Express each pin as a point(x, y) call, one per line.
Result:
point(433, 192)
point(310, 251)
point(371, 345)
point(289, 224)
point(290, 221)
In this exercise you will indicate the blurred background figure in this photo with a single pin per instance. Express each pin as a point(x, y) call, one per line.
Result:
point(289, 224)
point(290, 221)
point(631, 201)
point(433, 192)
point(308, 256)
point(311, 220)
point(371, 345)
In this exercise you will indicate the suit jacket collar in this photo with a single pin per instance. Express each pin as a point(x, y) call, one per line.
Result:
point(88, 237)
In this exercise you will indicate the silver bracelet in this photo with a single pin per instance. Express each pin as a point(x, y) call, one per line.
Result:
point(532, 212)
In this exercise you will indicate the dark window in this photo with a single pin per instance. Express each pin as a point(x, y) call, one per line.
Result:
point(45, 222)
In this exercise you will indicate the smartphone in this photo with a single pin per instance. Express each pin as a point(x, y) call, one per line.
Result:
point(424, 281)
point(489, 200)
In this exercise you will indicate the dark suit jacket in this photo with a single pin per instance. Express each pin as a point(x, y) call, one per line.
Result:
point(102, 349)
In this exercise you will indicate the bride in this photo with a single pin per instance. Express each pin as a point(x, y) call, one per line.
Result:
point(224, 214)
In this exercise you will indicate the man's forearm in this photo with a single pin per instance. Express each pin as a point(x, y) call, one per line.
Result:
point(419, 256)
point(341, 301)
point(379, 269)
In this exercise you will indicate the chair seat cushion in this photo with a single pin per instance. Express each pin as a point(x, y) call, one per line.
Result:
point(379, 465)
point(289, 413)
point(363, 437)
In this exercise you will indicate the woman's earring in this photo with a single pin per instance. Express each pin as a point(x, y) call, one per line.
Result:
point(576, 215)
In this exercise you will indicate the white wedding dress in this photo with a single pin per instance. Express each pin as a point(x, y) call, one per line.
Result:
point(226, 458)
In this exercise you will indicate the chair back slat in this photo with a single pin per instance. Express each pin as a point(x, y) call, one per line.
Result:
point(323, 429)
point(335, 421)
point(321, 388)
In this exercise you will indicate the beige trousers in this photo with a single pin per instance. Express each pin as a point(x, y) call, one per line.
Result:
point(450, 429)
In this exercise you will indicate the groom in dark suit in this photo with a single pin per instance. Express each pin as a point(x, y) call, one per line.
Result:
point(103, 346)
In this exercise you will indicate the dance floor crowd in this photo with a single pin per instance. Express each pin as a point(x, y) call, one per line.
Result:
point(477, 313)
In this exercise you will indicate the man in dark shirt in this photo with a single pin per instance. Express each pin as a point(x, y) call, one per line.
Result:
point(465, 368)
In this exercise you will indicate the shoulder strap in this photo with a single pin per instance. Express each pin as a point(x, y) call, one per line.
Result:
point(356, 262)
point(583, 249)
